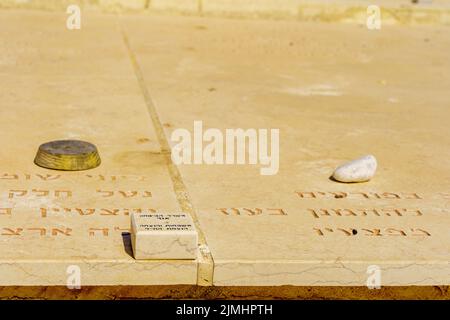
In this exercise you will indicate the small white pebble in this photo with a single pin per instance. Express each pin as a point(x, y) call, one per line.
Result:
point(359, 170)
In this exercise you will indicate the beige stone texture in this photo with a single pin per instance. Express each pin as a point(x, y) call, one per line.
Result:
point(61, 5)
point(125, 83)
point(62, 84)
point(183, 6)
point(335, 92)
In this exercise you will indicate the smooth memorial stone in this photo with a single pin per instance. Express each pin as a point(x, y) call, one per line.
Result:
point(68, 155)
point(64, 222)
point(163, 236)
point(358, 170)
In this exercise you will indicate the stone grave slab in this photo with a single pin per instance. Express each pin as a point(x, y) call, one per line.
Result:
point(163, 235)
point(335, 92)
point(61, 84)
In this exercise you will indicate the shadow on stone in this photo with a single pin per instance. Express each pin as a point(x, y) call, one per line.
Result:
point(334, 180)
point(126, 238)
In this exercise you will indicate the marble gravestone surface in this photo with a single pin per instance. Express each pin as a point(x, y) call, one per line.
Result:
point(127, 93)
point(52, 220)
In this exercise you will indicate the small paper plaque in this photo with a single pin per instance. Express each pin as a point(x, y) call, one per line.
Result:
point(163, 236)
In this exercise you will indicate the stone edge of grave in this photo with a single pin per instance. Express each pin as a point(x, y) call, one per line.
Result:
point(346, 11)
